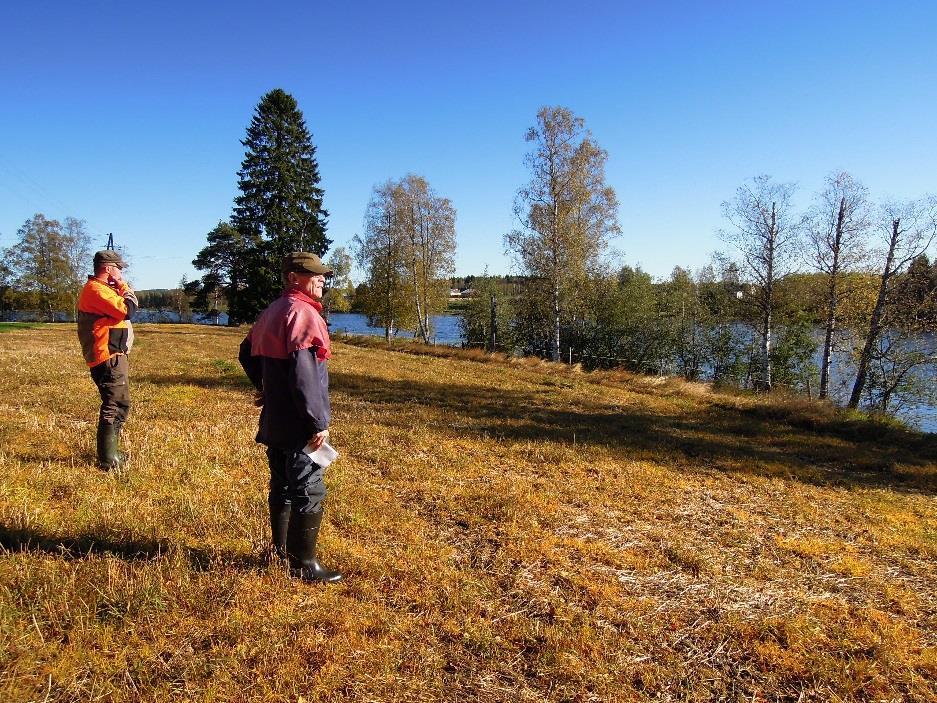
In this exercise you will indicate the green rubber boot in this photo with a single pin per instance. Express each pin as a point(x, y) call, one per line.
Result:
point(109, 456)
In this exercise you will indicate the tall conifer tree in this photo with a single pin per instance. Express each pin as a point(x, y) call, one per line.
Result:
point(279, 208)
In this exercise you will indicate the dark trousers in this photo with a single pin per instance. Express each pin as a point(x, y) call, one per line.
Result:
point(112, 379)
point(295, 480)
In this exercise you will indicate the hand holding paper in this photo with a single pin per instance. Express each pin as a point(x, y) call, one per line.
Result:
point(323, 456)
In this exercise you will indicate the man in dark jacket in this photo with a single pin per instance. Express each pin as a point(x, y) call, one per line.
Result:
point(105, 306)
point(285, 355)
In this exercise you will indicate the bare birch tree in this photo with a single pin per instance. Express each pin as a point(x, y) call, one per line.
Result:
point(908, 230)
point(568, 213)
point(837, 229)
point(765, 232)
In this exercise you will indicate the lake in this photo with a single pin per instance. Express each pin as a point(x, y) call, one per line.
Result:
point(446, 330)
point(445, 327)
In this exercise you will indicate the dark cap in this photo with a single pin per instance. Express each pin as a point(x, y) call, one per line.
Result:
point(304, 262)
point(107, 257)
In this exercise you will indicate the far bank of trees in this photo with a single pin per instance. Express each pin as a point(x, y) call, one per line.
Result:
point(705, 325)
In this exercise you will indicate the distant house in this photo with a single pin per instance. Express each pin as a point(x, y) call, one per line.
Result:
point(467, 293)
point(455, 293)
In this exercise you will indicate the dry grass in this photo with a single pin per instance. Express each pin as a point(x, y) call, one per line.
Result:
point(510, 531)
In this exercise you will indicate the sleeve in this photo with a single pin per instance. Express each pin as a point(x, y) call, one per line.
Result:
point(130, 300)
point(308, 383)
point(250, 364)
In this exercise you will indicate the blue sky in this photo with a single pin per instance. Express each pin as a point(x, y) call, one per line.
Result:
point(130, 115)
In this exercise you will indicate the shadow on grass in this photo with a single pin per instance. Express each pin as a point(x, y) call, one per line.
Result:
point(87, 544)
point(705, 437)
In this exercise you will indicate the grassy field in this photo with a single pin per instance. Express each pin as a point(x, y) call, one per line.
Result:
point(509, 531)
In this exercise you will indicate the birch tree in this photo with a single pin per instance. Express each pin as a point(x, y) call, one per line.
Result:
point(835, 245)
point(908, 230)
point(341, 292)
point(427, 221)
point(764, 231)
point(47, 264)
point(567, 212)
point(381, 253)
point(407, 252)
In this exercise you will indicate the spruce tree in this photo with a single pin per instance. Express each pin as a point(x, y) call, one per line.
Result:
point(279, 208)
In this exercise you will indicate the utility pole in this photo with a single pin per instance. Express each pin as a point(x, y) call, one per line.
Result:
point(110, 241)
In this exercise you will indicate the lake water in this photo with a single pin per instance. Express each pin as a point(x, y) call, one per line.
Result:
point(445, 328)
point(922, 415)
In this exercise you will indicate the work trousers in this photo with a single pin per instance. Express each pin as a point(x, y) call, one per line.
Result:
point(295, 480)
point(112, 379)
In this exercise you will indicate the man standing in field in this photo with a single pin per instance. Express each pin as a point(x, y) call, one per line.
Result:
point(285, 355)
point(105, 307)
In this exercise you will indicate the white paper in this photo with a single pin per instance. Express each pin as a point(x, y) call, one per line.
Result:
point(323, 456)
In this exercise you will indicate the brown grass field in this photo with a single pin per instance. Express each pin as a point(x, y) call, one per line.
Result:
point(509, 531)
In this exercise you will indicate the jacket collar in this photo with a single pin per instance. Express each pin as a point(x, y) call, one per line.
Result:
point(299, 295)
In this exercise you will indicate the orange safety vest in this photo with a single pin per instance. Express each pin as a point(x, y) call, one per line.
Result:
point(103, 329)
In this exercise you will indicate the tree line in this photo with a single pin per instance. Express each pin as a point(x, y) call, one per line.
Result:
point(857, 269)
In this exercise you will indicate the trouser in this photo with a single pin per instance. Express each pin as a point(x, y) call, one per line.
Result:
point(112, 379)
point(295, 480)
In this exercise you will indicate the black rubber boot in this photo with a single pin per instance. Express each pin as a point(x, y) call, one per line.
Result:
point(301, 540)
point(279, 526)
point(109, 457)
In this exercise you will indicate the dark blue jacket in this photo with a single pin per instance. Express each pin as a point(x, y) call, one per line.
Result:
point(284, 355)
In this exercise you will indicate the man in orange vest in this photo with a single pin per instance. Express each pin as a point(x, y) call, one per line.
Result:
point(105, 307)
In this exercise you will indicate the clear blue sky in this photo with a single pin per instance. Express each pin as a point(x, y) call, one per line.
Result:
point(129, 115)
